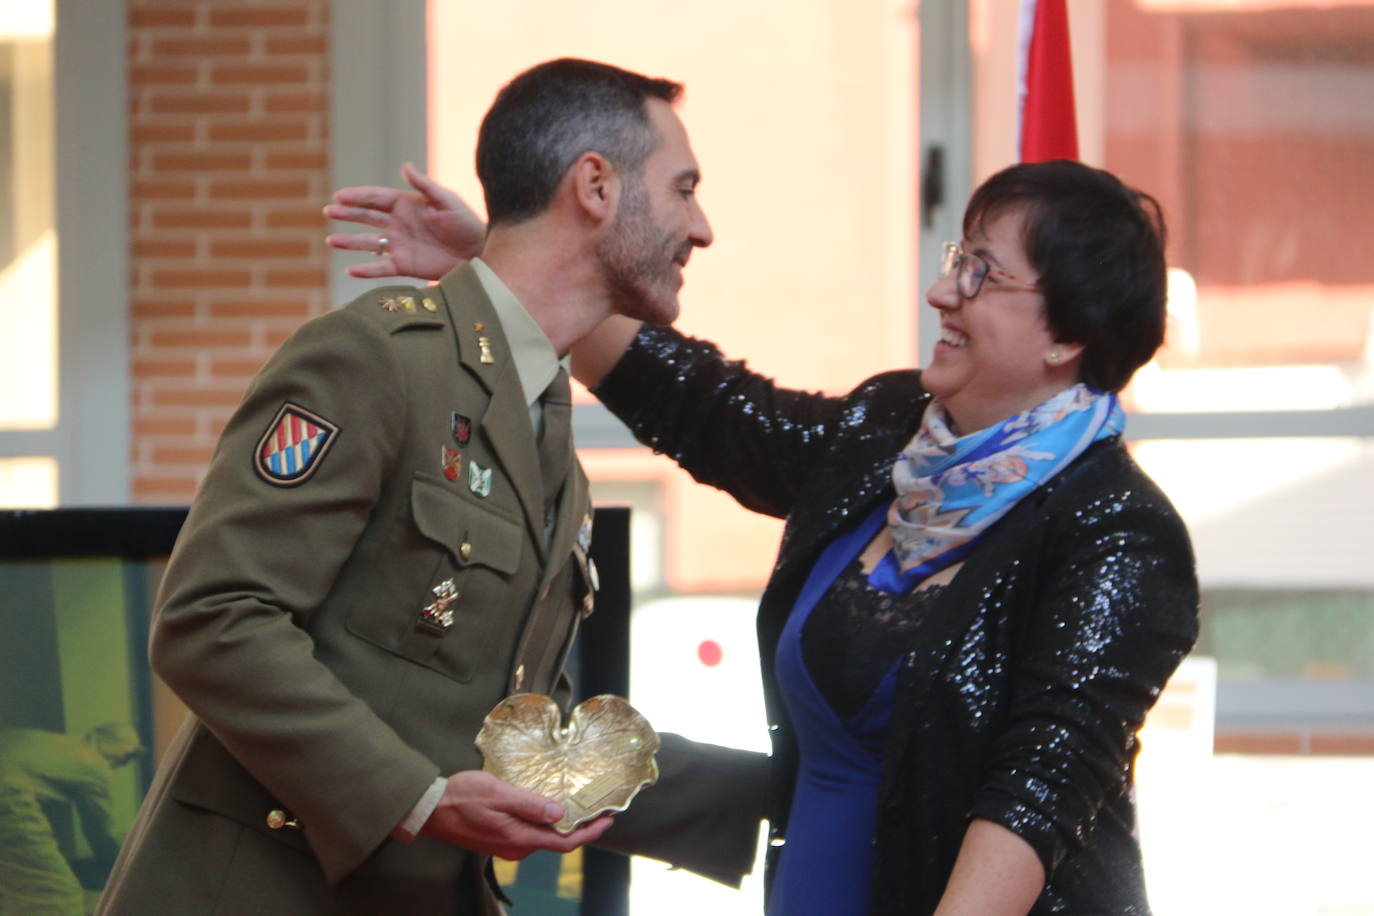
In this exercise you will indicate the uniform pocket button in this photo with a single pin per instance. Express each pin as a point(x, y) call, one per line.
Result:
point(277, 819)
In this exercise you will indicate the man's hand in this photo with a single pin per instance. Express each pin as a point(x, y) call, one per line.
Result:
point(486, 814)
point(428, 231)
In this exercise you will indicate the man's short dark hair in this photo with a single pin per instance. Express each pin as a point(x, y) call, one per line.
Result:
point(551, 114)
point(1098, 246)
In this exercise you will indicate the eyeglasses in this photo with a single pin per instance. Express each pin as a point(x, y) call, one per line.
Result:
point(969, 272)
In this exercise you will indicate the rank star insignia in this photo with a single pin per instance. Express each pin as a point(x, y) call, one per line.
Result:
point(389, 304)
point(479, 479)
point(439, 614)
point(450, 461)
point(461, 427)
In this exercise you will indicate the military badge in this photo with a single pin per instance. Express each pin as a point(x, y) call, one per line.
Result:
point(438, 616)
point(450, 461)
point(293, 446)
point(461, 427)
point(479, 479)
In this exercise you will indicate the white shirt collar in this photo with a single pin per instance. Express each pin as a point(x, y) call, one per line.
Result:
point(536, 362)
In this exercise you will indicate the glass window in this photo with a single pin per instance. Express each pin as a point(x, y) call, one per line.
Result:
point(28, 248)
point(1254, 125)
point(1252, 122)
point(28, 483)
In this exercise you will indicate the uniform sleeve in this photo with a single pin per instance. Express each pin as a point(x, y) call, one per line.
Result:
point(259, 553)
point(703, 814)
point(729, 427)
point(1117, 613)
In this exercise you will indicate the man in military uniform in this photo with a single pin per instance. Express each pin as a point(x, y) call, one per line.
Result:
point(392, 537)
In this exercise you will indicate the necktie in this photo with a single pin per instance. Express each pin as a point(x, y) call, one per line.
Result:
point(553, 444)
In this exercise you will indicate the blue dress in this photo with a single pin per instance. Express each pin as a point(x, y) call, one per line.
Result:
point(825, 864)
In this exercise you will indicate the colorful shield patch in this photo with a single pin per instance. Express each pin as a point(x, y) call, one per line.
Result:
point(479, 479)
point(450, 461)
point(293, 446)
point(461, 427)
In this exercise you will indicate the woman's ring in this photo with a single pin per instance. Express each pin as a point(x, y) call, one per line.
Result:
point(383, 246)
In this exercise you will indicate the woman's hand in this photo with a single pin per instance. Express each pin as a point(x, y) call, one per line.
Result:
point(423, 233)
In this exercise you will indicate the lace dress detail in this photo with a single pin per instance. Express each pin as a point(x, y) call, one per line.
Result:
point(855, 634)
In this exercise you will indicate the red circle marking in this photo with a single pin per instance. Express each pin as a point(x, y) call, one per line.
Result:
point(709, 652)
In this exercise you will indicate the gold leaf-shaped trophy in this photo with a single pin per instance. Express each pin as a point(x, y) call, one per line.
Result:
point(597, 764)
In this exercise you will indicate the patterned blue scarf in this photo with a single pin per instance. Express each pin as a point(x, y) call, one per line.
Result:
point(951, 489)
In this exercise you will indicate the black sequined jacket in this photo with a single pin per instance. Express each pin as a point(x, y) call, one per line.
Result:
point(1032, 670)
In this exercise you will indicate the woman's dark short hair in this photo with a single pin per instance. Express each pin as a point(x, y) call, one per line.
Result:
point(1098, 246)
point(551, 114)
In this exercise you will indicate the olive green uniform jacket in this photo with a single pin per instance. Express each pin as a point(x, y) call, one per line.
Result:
point(292, 621)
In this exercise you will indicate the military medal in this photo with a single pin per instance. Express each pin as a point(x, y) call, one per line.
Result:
point(461, 427)
point(438, 616)
point(594, 765)
point(450, 461)
point(479, 479)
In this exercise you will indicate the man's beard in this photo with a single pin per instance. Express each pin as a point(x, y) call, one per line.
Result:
point(637, 259)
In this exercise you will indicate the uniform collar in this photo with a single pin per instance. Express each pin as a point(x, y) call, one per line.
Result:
point(536, 362)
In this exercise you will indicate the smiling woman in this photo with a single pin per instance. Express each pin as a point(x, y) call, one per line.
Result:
point(1044, 297)
point(958, 650)
point(996, 355)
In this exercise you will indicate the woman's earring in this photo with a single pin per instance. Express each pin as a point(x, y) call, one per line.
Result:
point(1053, 357)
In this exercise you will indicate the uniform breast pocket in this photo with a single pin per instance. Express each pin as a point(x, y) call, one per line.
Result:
point(463, 577)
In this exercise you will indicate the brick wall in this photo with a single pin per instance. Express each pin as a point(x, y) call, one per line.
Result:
point(229, 161)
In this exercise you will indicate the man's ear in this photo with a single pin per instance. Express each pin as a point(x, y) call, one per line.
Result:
point(595, 186)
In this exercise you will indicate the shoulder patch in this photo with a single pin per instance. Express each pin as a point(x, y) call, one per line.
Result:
point(295, 443)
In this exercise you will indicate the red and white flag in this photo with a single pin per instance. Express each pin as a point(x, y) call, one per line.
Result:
point(1048, 129)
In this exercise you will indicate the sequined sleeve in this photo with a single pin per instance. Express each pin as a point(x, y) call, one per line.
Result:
point(1116, 614)
point(728, 426)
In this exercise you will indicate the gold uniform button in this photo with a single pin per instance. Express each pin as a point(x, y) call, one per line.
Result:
point(465, 550)
point(277, 819)
point(519, 675)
